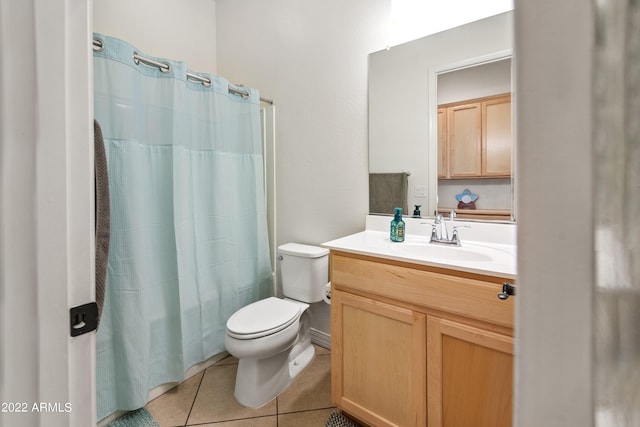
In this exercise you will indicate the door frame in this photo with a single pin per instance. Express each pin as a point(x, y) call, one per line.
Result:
point(46, 212)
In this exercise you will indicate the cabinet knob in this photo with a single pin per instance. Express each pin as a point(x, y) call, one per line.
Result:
point(507, 290)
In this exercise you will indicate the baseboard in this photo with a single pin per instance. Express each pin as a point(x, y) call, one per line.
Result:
point(320, 338)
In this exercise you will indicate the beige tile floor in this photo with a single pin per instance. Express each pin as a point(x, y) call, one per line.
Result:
point(206, 399)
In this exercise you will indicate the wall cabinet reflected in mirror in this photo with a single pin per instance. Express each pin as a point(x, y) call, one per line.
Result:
point(474, 138)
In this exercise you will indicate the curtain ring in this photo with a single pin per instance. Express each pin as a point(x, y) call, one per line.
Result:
point(98, 45)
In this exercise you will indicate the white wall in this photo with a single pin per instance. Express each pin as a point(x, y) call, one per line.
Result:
point(493, 193)
point(493, 78)
point(311, 59)
point(179, 30)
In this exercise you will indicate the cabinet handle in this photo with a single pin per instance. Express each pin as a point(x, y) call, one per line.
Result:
point(507, 290)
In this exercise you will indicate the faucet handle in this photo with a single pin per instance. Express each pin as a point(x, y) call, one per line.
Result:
point(434, 233)
point(455, 239)
point(452, 214)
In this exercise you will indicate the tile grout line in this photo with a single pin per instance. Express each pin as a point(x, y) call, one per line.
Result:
point(186, 422)
point(232, 420)
point(277, 414)
point(300, 411)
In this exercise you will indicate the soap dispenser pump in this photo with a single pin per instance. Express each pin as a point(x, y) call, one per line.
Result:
point(397, 227)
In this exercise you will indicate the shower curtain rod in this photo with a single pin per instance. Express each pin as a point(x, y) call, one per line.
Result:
point(165, 68)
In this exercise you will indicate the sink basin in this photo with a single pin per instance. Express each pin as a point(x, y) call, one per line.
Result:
point(427, 251)
point(472, 256)
point(420, 248)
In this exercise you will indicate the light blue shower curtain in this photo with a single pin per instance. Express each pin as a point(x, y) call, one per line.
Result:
point(189, 240)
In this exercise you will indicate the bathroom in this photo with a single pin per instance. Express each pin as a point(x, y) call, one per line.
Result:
point(312, 60)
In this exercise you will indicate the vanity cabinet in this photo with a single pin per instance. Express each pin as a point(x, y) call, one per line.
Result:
point(381, 356)
point(414, 345)
point(470, 375)
point(475, 139)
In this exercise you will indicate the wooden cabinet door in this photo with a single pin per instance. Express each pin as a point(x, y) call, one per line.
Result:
point(470, 376)
point(378, 354)
point(465, 149)
point(497, 138)
point(443, 146)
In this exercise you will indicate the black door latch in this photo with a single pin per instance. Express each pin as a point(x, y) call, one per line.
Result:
point(83, 319)
point(507, 290)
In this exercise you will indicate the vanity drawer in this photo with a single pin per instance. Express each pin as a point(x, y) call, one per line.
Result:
point(451, 291)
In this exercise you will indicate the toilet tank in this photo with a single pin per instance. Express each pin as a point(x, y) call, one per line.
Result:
point(304, 270)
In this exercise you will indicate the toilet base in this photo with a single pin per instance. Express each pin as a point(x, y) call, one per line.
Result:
point(260, 380)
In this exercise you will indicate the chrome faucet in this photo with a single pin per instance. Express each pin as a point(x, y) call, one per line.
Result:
point(440, 233)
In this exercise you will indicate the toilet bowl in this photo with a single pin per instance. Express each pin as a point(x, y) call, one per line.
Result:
point(272, 337)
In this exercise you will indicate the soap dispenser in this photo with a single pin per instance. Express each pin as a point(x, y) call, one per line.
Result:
point(416, 211)
point(397, 227)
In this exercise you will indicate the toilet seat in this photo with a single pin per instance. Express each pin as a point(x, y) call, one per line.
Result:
point(262, 318)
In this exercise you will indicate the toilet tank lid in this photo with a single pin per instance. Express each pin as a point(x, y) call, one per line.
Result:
point(298, 249)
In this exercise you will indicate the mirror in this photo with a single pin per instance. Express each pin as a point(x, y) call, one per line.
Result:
point(403, 112)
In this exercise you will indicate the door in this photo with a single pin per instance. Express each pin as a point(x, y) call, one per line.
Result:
point(496, 137)
point(378, 361)
point(46, 222)
point(470, 373)
point(465, 140)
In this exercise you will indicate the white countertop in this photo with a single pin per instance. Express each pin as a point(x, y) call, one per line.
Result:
point(480, 257)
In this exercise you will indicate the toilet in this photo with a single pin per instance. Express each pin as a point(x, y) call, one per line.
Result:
point(272, 337)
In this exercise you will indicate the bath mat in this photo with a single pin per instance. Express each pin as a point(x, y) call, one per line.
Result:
point(336, 419)
point(138, 418)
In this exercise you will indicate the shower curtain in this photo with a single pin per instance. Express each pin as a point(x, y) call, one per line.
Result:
point(189, 242)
